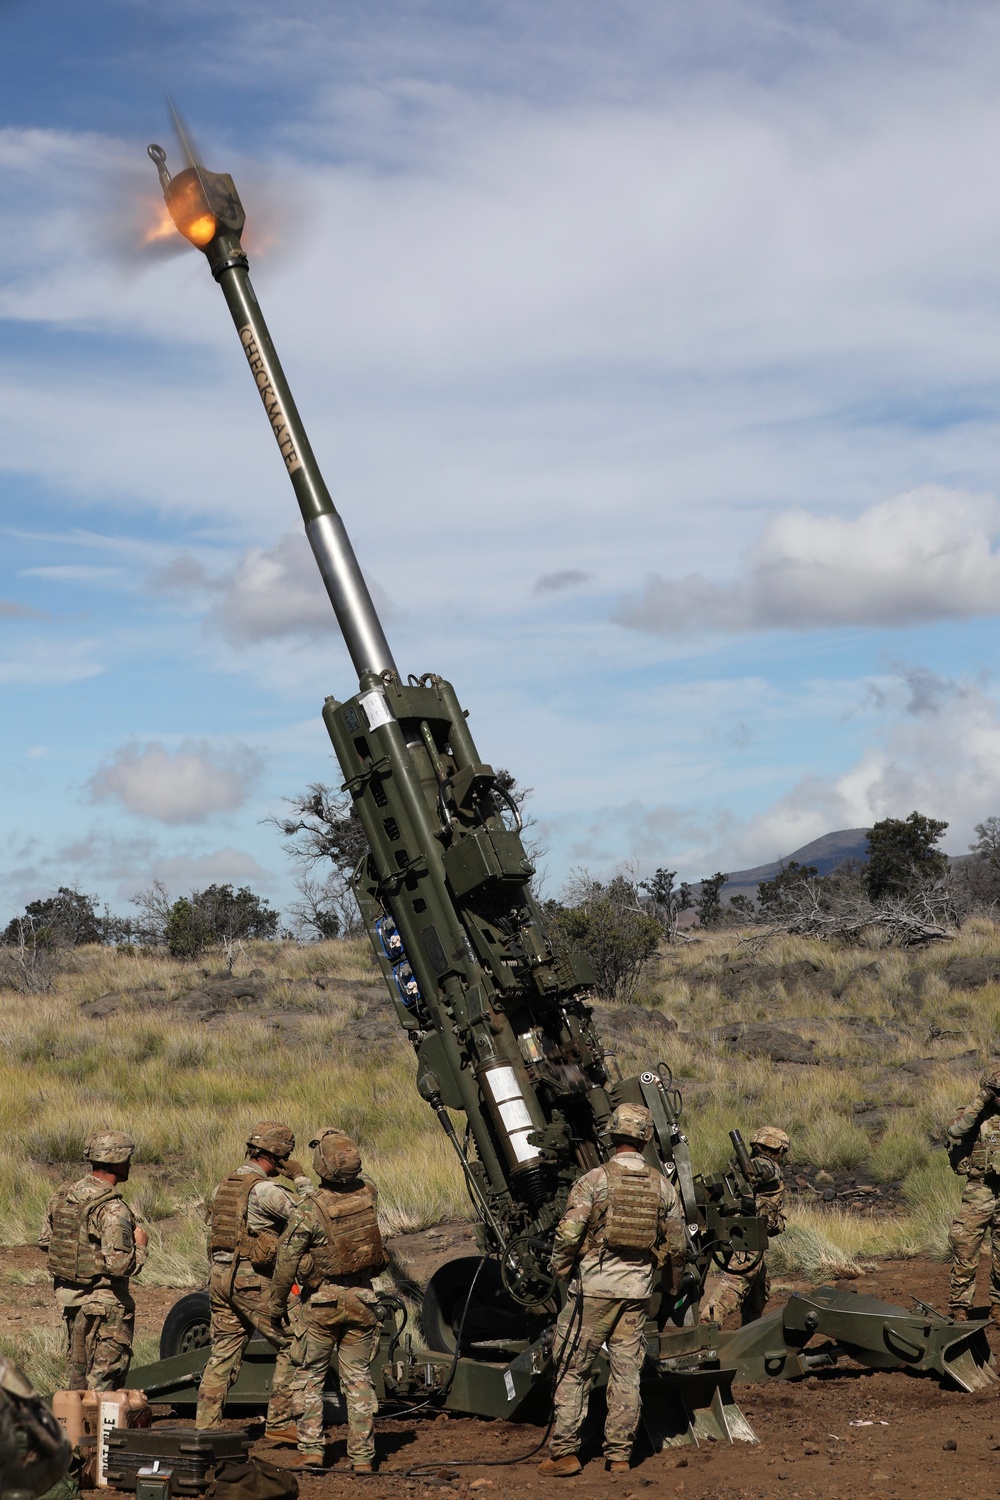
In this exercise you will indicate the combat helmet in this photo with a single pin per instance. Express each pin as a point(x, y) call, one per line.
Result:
point(631, 1122)
point(108, 1148)
point(272, 1138)
point(770, 1137)
point(990, 1080)
point(336, 1157)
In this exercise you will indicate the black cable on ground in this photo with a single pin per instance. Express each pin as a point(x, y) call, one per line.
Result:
point(566, 1354)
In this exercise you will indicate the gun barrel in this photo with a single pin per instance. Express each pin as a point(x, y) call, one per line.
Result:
point(345, 584)
point(742, 1154)
point(206, 209)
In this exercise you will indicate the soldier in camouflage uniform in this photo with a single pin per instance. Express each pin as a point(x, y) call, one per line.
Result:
point(731, 1290)
point(34, 1453)
point(333, 1247)
point(248, 1213)
point(620, 1218)
point(974, 1149)
point(95, 1243)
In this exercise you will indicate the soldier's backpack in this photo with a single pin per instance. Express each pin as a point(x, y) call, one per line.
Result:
point(253, 1479)
point(632, 1219)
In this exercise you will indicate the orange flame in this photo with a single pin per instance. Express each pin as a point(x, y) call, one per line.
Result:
point(161, 226)
point(189, 209)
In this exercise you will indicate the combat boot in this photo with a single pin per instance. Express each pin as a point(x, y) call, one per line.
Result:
point(958, 1314)
point(288, 1434)
point(362, 1468)
point(560, 1468)
point(312, 1459)
point(617, 1465)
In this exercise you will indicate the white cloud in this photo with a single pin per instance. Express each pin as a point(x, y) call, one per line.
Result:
point(10, 609)
point(271, 593)
point(187, 785)
point(49, 663)
point(564, 578)
point(937, 751)
point(183, 872)
point(71, 573)
point(926, 555)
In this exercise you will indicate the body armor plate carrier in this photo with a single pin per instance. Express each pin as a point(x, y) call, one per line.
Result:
point(353, 1239)
point(632, 1221)
point(73, 1255)
point(984, 1158)
point(228, 1220)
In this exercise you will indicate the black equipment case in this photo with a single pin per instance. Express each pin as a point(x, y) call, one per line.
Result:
point(187, 1453)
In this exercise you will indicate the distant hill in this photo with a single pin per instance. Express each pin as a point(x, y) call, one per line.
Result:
point(825, 853)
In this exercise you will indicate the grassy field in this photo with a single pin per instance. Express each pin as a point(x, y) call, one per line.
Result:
point(187, 1091)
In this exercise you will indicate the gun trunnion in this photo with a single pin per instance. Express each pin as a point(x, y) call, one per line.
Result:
point(497, 1009)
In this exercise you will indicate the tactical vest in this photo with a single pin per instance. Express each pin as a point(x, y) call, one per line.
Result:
point(353, 1239)
point(632, 1219)
point(228, 1229)
point(984, 1158)
point(73, 1254)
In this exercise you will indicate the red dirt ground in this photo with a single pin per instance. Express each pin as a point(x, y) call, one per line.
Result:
point(923, 1441)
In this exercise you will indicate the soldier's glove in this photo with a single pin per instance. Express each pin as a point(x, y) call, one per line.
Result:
point(292, 1168)
point(688, 1288)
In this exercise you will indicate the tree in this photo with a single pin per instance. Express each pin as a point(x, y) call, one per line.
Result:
point(218, 914)
point(612, 927)
point(779, 896)
point(987, 845)
point(323, 829)
point(710, 900)
point(154, 906)
point(902, 856)
point(666, 901)
point(69, 919)
point(315, 912)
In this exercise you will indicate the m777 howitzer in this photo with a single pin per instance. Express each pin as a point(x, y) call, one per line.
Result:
point(498, 1010)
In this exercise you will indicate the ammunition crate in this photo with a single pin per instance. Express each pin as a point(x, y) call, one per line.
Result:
point(187, 1453)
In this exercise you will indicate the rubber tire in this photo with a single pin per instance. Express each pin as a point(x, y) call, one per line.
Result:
point(492, 1312)
point(187, 1326)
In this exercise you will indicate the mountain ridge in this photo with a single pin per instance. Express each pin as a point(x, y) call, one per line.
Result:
point(826, 853)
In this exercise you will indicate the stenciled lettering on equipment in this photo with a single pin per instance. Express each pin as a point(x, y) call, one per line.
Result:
point(273, 407)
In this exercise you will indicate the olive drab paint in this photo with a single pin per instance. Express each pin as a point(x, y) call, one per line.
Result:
point(498, 1009)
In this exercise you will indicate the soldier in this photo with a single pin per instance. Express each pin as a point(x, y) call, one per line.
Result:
point(974, 1149)
point(34, 1453)
point(618, 1220)
point(749, 1290)
point(248, 1213)
point(95, 1243)
point(333, 1247)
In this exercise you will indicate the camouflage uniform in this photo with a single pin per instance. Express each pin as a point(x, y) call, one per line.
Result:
point(974, 1147)
point(731, 1291)
point(92, 1254)
point(34, 1453)
point(609, 1296)
point(333, 1247)
point(238, 1297)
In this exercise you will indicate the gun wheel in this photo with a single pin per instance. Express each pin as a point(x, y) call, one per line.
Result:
point(492, 1313)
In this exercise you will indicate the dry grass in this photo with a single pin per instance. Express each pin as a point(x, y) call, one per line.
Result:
point(188, 1091)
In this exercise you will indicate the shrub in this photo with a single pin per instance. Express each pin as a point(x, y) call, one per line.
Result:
point(616, 933)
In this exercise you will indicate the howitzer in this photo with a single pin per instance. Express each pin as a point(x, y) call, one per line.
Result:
point(497, 1008)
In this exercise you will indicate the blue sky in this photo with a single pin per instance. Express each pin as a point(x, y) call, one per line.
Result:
point(651, 353)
